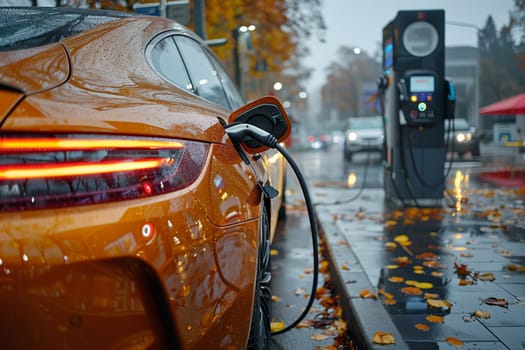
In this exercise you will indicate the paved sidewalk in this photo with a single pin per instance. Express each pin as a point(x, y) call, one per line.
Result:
point(468, 255)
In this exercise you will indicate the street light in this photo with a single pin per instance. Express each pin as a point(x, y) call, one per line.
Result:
point(236, 34)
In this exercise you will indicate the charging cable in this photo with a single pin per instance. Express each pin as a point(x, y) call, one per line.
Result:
point(250, 135)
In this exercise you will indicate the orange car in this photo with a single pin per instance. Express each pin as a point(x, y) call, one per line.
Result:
point(128, 217)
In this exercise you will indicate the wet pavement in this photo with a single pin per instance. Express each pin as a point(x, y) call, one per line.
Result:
point(432, 278)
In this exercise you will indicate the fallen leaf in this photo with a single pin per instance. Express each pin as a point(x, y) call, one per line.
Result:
point(300, 291)
point(367, 295)
point(390, 246)
point(496, 302)
point(486, 276)
point(396, 279)
point(277, 326)
point(274, 252)
point(308, 270)
point(389, 301)
point(454, 341)
point(422, 327)
point(505, 253)
point(411, 282)
point(431, 296)
point(435, 319)
point(276, 298)
point(401, 238)
point(436, 273)
point(427, 256)
point(402, 261)
point(411, 291)
point(383, 338)
point(481, 314)
point(323, 266)
point(465, 282)
point(462, 270)
point(424, 285)
point(319, 337)
point(438, 304)
point(391, 267)
point(344, 267)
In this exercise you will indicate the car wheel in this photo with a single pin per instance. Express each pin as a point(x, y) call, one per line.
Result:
point(260, 332)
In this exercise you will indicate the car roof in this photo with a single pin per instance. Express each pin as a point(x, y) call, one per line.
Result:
point(28, 27)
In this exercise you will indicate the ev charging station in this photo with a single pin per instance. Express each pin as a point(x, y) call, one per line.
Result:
point(415, 99)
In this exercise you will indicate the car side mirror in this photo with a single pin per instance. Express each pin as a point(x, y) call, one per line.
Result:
point(266, 113)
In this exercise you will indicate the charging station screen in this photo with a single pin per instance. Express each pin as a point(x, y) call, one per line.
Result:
point(422, 83)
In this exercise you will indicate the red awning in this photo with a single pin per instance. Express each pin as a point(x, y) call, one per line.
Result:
point(511, 105)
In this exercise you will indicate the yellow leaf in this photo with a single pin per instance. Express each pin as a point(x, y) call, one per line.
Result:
point(390, 245)
point(276, 298)
point(367, 295)
point(482, 314)
point(411, 282)
point(411, 291)
point(391, 267)
point(401, 238)
point(438, 304)
point(344, 267)
point(383, 338)
point(436, 273)
point(424, 285)
point(319, 337)
point(388, 301)
point(435, 319)
point(422, 327)
point(396, 279)
point(431, 296)
point(454, 341)
point(464, 282)
point(302, 325)
point(274, 252)
point(277, 326)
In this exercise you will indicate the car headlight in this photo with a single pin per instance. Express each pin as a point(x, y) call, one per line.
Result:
point(352, 136)
point(57, 171)
point(460, 137)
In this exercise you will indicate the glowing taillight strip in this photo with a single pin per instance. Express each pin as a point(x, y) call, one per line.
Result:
point(77, 169)
point(14, 145)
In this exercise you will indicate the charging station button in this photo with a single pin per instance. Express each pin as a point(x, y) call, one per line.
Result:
point(422, 106)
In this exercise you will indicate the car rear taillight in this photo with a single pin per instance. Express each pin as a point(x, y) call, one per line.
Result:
point(56, 171)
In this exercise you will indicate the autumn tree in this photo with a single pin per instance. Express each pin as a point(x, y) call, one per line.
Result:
point(347, 78)
point(501, 75)
point(277, 42)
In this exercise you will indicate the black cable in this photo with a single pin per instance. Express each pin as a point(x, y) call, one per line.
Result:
point(251, 135)
point(313, 230)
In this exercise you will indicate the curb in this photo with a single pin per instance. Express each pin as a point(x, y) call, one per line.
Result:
point(364, 317)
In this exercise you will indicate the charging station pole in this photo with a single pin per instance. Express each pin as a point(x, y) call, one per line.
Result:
point(414, 95)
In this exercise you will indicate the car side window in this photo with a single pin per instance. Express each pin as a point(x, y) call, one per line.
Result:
point(233, 94)
point(205, 78)
point(166, 60)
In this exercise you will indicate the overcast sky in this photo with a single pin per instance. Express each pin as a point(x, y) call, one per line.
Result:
point(360, 23)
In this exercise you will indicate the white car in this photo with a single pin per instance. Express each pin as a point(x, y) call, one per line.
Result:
point(364, 134)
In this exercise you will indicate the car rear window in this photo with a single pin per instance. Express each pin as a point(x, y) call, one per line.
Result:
point(27, 27)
